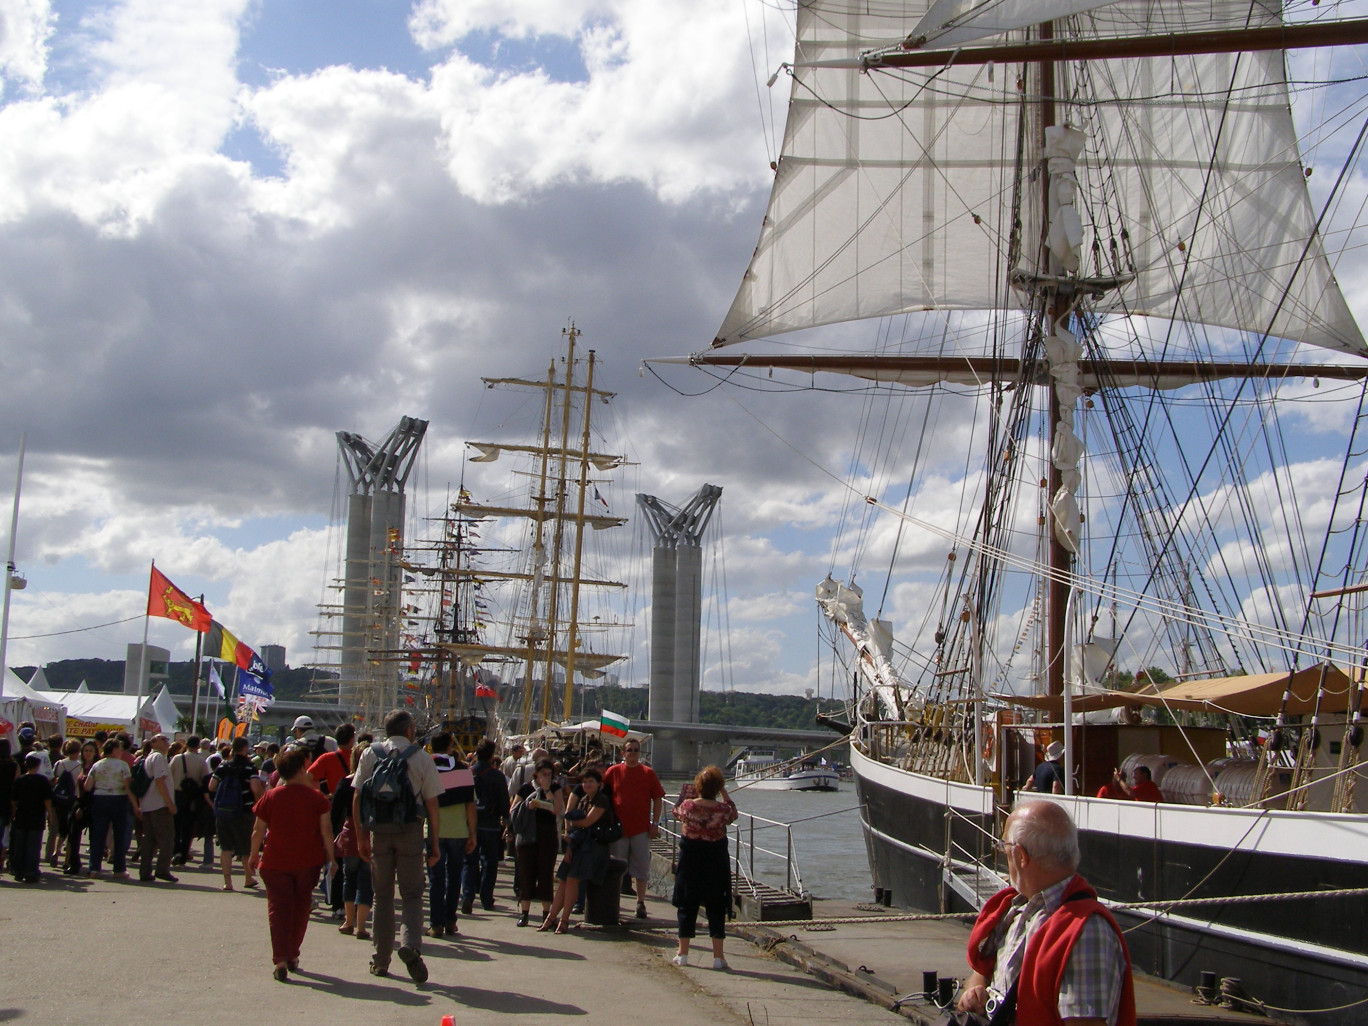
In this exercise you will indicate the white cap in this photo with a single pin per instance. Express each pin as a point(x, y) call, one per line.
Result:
point(302, 723)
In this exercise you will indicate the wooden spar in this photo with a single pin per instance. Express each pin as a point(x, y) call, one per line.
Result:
point(1279, 37)
point(572, 643)
point(1056, 309)
point(1095, 374)
point(558, 536)
point(1353, 589)
point(537, 551)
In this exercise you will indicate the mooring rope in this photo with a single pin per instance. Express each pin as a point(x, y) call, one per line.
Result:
point(913, 917)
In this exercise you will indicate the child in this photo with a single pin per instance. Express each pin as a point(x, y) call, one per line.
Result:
point(31, 801)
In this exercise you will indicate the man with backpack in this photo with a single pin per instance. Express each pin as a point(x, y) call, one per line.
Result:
point(491, 815)
point(188, 772)
point(234, 786)
point(156, 820)
point(397, 787)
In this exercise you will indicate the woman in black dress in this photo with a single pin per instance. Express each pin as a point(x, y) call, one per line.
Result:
point(586, 856)
point(536, 849)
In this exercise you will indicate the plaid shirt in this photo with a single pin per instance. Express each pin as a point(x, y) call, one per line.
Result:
point(1091, 987)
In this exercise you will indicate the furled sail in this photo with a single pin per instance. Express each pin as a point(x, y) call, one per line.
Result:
point(901, 190)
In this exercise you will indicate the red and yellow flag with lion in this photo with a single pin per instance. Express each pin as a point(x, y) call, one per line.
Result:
point(165, 599)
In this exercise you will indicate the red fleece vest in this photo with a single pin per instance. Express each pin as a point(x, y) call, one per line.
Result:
point(1047, 953)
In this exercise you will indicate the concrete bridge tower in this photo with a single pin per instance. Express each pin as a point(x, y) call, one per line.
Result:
point(372, 582)
point(676, 617)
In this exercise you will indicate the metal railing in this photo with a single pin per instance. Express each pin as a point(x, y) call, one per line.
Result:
point(744, 848)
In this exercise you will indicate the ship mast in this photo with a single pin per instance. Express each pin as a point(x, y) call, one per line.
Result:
point(553, 616)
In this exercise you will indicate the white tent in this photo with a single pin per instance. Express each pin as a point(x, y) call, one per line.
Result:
point(22, 702)
point(85, 714)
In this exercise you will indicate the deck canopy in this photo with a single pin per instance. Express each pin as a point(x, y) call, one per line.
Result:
point(1254, 694)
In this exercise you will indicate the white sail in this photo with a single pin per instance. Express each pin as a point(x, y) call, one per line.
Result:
point(952, 22)
point(897, 190)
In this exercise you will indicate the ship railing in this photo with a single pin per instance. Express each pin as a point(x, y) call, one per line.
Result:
point(761, 850)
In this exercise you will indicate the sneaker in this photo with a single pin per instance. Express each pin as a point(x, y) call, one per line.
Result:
point(435, 931)
point(720, 963)
point(166, 877)
point(413, 962)
point(680, 960)
point(376, 969)
point(120, 876)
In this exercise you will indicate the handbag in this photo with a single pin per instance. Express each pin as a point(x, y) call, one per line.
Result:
point(523, 818)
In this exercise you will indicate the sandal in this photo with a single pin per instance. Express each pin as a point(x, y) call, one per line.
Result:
point(564, 927)
point(347, 928)
point(361, 934)
point(547, 924)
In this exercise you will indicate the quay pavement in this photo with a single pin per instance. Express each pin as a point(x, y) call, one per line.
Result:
point(110, 951)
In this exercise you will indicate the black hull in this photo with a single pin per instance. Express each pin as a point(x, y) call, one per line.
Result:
point(1274, 948)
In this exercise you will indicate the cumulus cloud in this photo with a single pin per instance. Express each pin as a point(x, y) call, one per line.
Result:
point(24, 29)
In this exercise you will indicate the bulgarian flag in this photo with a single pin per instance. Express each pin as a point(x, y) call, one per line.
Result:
point(165, 599)
point(613, 724)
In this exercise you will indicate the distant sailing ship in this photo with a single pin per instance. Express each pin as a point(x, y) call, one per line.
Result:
point(550, 631)
point(1102, 288)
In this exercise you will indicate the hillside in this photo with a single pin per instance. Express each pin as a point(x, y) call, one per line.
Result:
point(739, 708)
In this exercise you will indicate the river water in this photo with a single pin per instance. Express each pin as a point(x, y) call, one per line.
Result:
point(828, 846)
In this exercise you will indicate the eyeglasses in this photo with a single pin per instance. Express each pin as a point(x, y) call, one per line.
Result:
point(1002, 846)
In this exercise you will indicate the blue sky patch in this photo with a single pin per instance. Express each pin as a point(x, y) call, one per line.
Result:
point(558, 56)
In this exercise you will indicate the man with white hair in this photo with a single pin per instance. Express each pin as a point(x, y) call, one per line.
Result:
point(1044, 951)
point(305, 734)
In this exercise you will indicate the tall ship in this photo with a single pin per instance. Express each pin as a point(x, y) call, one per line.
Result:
point(548, 620)
point(484, 623)
point(1113, 457)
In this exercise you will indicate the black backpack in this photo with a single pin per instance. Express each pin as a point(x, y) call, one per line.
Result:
point(230, 797)
point(141, 782)
point(388, 801)
point(191, 789)
point(64, 791)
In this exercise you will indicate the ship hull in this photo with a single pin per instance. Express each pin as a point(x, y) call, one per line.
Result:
point(1308, 953)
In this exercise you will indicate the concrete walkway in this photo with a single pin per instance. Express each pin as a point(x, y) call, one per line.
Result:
point(107, 951)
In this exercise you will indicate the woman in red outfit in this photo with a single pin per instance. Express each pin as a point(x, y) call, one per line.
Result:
point(294, 822)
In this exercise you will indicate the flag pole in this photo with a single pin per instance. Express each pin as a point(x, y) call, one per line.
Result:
point(142, 661)
point(199, 670)
point(9, 566)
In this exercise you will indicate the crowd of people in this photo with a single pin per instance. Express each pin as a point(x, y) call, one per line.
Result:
point(343, 822)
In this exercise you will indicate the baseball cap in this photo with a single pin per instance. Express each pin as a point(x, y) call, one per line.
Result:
point(26, 734)
point(302, 723)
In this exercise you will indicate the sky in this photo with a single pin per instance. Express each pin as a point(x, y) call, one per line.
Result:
point(229, 229)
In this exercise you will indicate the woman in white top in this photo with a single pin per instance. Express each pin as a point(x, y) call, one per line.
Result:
point(63, 797)
point(109, 784)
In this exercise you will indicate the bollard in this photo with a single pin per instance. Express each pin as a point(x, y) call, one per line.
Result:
point(946, 991)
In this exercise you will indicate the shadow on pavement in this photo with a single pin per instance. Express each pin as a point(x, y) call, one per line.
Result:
point(398, 991)
point(504, 1001)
